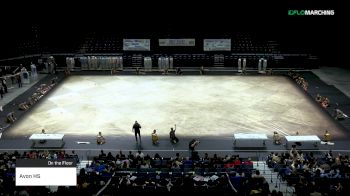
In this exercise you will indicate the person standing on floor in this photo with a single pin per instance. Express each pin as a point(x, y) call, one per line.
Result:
point(3, 83)
point(173, 137)
point(136, 128)
point(192, 148)
point(2, 92)
point(19, 80)
point(42, 132)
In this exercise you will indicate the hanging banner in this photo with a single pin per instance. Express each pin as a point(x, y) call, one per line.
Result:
point(177, 42)
point(217, 45)
point(136, 44)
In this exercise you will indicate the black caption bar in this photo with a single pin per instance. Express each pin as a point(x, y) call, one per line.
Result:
point(46, 163)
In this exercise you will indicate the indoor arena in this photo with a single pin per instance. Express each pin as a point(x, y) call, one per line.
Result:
point(236, 99)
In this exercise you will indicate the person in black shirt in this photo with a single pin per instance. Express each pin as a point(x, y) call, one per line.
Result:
point(173, 137)
point(42, 132)
point(192, 145)
point(19, 80)
point(2, 92)
point(3, 83)
point(136, 127)
point(178, 71)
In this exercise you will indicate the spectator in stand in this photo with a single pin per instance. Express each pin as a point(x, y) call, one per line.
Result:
point(237, 161)
point(139, 154)
point(257, 175)
point(248, 161)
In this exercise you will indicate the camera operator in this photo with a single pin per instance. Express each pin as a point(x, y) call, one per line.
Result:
point(192, 145)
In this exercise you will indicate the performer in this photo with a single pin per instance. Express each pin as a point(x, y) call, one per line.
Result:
point(193, 144)
point(173, 137)
point(327, 136)
point(165, 71)
point(2, 92)
point(136, 127)
point(23, 106)
point(11, 117)
point(297, 143)
point(100, 139)
point(154, 137)
point(318, 98)
point(276, 138)
point(178, 71)
point(42, 132)
point(325, 102)
point(339, 115)
point(202, 71)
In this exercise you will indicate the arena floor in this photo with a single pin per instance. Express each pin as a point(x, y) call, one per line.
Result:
point(199, 106)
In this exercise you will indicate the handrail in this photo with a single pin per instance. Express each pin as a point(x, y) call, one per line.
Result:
point(9, 76)
point(229, 182)
point(77, 54)
point(105, 186)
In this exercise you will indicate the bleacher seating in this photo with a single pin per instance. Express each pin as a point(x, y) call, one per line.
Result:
point(43, 40)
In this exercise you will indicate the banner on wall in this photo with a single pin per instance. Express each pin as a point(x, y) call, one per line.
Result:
point(217, 44)
point(136, 44)
point(177, 42)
